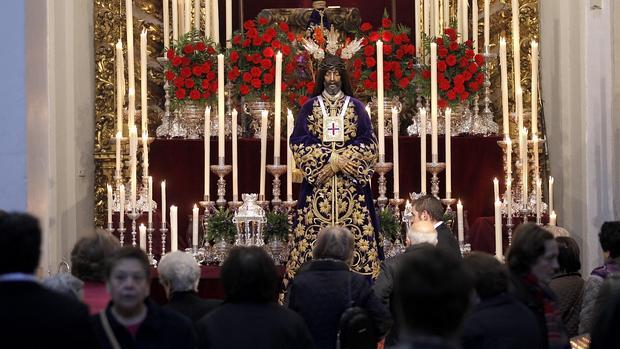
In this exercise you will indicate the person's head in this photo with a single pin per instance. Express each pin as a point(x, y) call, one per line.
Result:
point(249, 275)
point(178, 272)
point(332, 77)
point(334, 242)
point(20, 243)
point(533, 250)
point(421, 232)
point(127, 279)
point(427, 208)
point(65, 283)
point(490, 277)
point(568, 255)
point(433, 292)
point(89, 254)
point(609, 237)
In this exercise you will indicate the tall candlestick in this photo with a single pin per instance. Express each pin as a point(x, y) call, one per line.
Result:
point(187, 18)
point(487, 14)
point(504, 75)
point(215, 22)
point(263, 153)
point(535, 151)
point(534, 45)
point(150, 200)
point(220, 106)
point(133, 147)
point(110, 203)
point(516, 44)
point(145, 154)
point(395, 152)
point(496, 189)
point(448, 146)
point(459, 218)
point(498, 231)
point(436, 26)
point(197, 15)
point(508, 156)
point(129, 24)
point(427, 17)
point(131, 113)
point(508, 197)
point(163, 202)
point(235, 156)
point(538, 198)
point(174, 229)
point(551, 180)
point(446, 14)
point(552, 218)
point(207, 151)
point(459, 20)
point(465, 14)
point(474, 24)
point(523, 160)
point(143, 83)
point(434, 151)
point(208, 19)
point(423, 150)
point(417, 29)
point(142, 230)
point(166, 15)
point(175, 20)
point(120, 81)
point(277, 107)
point(289, 155)
point(195, 225)
point(229, 23)
point(121, 215)
point(380, 105)
point(519, 107)
point(118, 154)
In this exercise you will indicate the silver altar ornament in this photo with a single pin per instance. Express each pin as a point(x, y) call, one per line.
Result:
point(250, 221)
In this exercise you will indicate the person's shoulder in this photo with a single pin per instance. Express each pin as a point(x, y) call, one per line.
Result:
point(169, 317)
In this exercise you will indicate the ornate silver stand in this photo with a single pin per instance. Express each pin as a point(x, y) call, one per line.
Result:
point(221, 170)
point(396, 203)
point(435, 168)
point(150, 255)
point(487, 124)
point(133, 215)
point(163, 130)
point(163, 231)
point(276, 170)
point(382, 168)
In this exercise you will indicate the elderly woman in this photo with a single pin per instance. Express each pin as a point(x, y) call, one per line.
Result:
point(532, 261)
point(325, 287)
point(568, 283)
point(179, 274)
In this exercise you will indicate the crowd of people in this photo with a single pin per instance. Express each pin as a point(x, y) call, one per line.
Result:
point(427, 297)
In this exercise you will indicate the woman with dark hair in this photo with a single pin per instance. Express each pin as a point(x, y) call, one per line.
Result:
point(325, 287)
point(532, 261)
point(568, 284)
point(604, 333)
point(250, 317)
point(609, 238)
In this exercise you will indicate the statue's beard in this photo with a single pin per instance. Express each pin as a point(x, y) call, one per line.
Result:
point(333, 87)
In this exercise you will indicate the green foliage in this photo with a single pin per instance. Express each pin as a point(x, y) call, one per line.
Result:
point(220, 226)
point(389, 224)
point(277, 225)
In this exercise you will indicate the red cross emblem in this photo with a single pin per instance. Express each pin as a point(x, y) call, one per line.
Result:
point(333, 128)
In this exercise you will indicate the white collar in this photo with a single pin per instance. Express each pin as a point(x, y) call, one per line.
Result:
point(8, 277)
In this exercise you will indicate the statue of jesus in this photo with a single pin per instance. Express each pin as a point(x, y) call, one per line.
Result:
point(334, 146)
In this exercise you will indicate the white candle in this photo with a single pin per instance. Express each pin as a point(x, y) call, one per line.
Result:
point(118, 154)
point(524, 165)
point(448, 146)
point(133, 147)
point(195, 225)
point(538, 198)
point(519, 107)
point(498, 231)
point(175, 20)
point(235, 155)
point(289, 155)
point(496, 189)
point(434, 151)
point(229, 23)
point(395, 151)
point(459, 20)
point(460, 223)
point(120, 81)
point(150, 200)
point(187, 19)
point(263, 153)
point(129, 24)
point(465, 14)
point(208, 19)
point(417, 30)
point(509, 155)
point(380, 106)
point(215, 22)
point(436, 26)
point(504, 78)
point(143, 82)
point(553, 218)
point(121, 215)
point(163, 203)
point(110, 203)
point(174, 238)
point(516, 44)
point(423, 150)
point(220, 106)
point(487, 14)
point(196, 15)
point(145, 154)
point(131, 114)
point(446, 15)
point(427, 17)
point(534, 45)
point(474, 24)
point(166, 15)
point(508, 197)
point(142, 230)
point(278, 108)
point(535, 151)
point(551, 181)
point(207, 151)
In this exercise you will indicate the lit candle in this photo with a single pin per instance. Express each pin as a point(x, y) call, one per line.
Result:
point(195, 225)
point(434, 151)
point(187, 19)
point(289, 155)
point(121, 213)
point(380, 106)
point(496, 189)
point(150, 200)
point(395, 151)
point(174, 238)
point(465, 14)
point(208, 19)
point(215, 22)
point(163, 203)
point(448, 146)
point(504, 75)
point(145, 154)
point(487, 14)
point(278, 109)
point(263, 154)
point(229, 23)
point(534, 45)
point(207, 152)
point(118, 154)
point(474, 24)
point(142, 230)
point(538, 198)
point(197, 15)
point(129, 25)
point(143, 67)
point(551, 181)
point(498, 231)
point(166, 5)
point(417, 31)
point(423, 150)
point(120, 81)
point(552, 219)
point(110, 203)
point(220, 107)
point(516, 44)
point(460, 223)
point(175, 20)
point(235, 166)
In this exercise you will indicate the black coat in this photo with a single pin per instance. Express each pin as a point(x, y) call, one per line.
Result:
point(188, 303)
point(501, 322)
point(447, 241)
point(253, 325)
point(320, 294)
point(34, 317)
point(160, 329)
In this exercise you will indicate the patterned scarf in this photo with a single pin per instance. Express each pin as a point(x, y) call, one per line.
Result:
point(556, 333)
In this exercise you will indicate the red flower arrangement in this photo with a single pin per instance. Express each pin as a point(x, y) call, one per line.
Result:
point(460, 71)
point(398, 60)
point(191, 69)
point(251, 59)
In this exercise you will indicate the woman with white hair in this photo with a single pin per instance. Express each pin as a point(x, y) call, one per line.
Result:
point(179, 274)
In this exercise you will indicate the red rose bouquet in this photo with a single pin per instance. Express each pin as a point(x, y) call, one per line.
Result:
point(398, 60)
point(460, 71)
point(191, 69)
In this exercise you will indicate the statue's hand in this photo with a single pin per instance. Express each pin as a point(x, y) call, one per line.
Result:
point(325, 174)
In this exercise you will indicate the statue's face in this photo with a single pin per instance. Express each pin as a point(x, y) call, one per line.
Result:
point(332, 81)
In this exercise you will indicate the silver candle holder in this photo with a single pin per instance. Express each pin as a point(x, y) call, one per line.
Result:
point(382, 168)
point(163, 231)
point(435, 168)
point(276, 170)
point(150, 255)
point(133, 215)
point(221, 170)
point(163, 130)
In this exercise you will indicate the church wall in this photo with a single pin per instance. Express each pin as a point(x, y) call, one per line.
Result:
point(616, 106)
